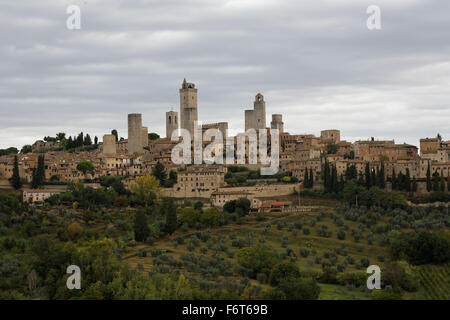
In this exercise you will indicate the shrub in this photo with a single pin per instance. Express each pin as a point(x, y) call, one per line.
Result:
point(73, 230)
point(304, 252)
point(341, 235)
point(261, 277)
point(256, 259)
point(282, 271)
point(300, 289)
point(142, 253)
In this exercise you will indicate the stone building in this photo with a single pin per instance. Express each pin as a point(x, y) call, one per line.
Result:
point(135, 133)
point(219, 198)
point(331, 136)
point(109, 147)
point(171, 123)
point(256, 118)
point(429, 145)
point(277, 123)
point(144, 138)
point(188, 106)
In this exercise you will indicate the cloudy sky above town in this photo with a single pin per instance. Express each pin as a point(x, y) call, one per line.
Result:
point(314, 61)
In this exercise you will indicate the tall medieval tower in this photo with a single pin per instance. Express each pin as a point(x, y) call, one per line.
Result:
point(171, 123)
point(188, 106)
point(256, 118)
point(259, 107)
point(135, 144)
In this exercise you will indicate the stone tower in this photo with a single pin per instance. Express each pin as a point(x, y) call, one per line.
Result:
point(171, 123)
point(277, 123)
point(135, 133)
point(109, 145)
point(188, 106)
point(256, 118)
point(249, 120)
point(144, 138)
point(259, 113)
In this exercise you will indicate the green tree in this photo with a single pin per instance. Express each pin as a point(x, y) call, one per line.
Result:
point(198, 205)
point(442, 188)
point(256, 259)
point(243, 206)
point(153, 136)
point(38, 175)
point(414, 185)
point(160, 173)
point(171, 215)
point(147, 190)
point(327, 176)
point(87, 140)
point(85, 167)
point(230, 206)
point(282, 271)
point(26, 149)
point(311, 178)
point(300, 289)
point(306, 179)
point(407, 181)
point(16, 182)
point(368, 176)
point(381, 177)
point(116, 134)
point(332, 148)
point(436, 181)
point(429, 187)
point(141, 229)
point(334, 180)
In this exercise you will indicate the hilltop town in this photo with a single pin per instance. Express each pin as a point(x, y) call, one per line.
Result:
point(302, 157)
point(140, 226)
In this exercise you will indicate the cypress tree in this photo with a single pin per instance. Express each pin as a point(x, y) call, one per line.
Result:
point(442, 184)
point(38, 175)
point(171, 215)
point(141, 229)
point(368, 176)
point(160, 173)
point(361, 179)
point(341, 183)
point(401, 181)
point(394, 180)
point(311, 178)
point(414, 185)
point(326, 176)
point(306, 179)
point(334, 180)
point(373, 178)
point(436, 180)
point(407, 180)
point(15, 180)
point(428, 178)
point(382, 179)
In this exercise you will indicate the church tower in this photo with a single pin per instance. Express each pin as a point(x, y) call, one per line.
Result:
point(188, 106)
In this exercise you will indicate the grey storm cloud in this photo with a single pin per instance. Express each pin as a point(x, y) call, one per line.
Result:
point(315, 62)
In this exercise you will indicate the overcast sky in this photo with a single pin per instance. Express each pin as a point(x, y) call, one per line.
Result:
point(314, 61)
